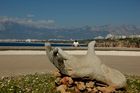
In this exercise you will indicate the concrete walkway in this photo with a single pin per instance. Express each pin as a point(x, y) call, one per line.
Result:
point(27, 64)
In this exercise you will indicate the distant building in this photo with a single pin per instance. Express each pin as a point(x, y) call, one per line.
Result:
point(120, 37)
point(28, 40)
point(109, 36)
point(134, 36)
point(99, 37)
point(123, 37)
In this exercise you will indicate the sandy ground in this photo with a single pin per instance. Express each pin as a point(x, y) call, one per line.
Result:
point(27, 62)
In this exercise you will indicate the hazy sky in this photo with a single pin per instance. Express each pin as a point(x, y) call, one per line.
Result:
point(75, 12)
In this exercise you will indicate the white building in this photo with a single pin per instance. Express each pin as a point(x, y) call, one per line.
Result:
point(99, 37)
point(28, 40)
point(109, 36)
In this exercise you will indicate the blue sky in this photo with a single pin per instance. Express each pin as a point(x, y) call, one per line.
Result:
point(75, 12)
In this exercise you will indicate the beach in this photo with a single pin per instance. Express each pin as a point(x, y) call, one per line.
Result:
point(18, 62)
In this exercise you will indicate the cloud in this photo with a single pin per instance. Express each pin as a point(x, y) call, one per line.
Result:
point(51, 21)
point(28, 21)
point(30, 15)
point(45, 23)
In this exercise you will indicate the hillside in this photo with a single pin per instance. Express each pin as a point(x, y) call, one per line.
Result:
point(26, 28)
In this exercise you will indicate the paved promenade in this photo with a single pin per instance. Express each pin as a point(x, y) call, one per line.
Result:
point(27, 62)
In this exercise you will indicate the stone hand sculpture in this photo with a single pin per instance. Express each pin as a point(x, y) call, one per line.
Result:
point(88, 66)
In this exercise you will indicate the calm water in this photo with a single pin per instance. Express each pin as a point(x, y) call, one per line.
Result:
point(20, 44)
point(35, 44)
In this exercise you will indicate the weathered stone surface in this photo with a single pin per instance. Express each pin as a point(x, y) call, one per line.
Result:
point(89, 66)
point(94, 90)
point(57, 81)
point(106, 89)
point(57, 74)
point(66, 80)
point(76, 90)
point(70, 81)
point(68, 85)
point(80, 85)
point(89, 90)
point(90, 84)
point(62, 88)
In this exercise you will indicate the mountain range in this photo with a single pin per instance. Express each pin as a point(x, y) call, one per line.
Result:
point(15, 28)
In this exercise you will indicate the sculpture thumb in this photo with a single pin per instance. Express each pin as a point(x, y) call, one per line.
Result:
point(91, 50)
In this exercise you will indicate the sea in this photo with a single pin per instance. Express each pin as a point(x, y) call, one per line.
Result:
point(35, 44)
